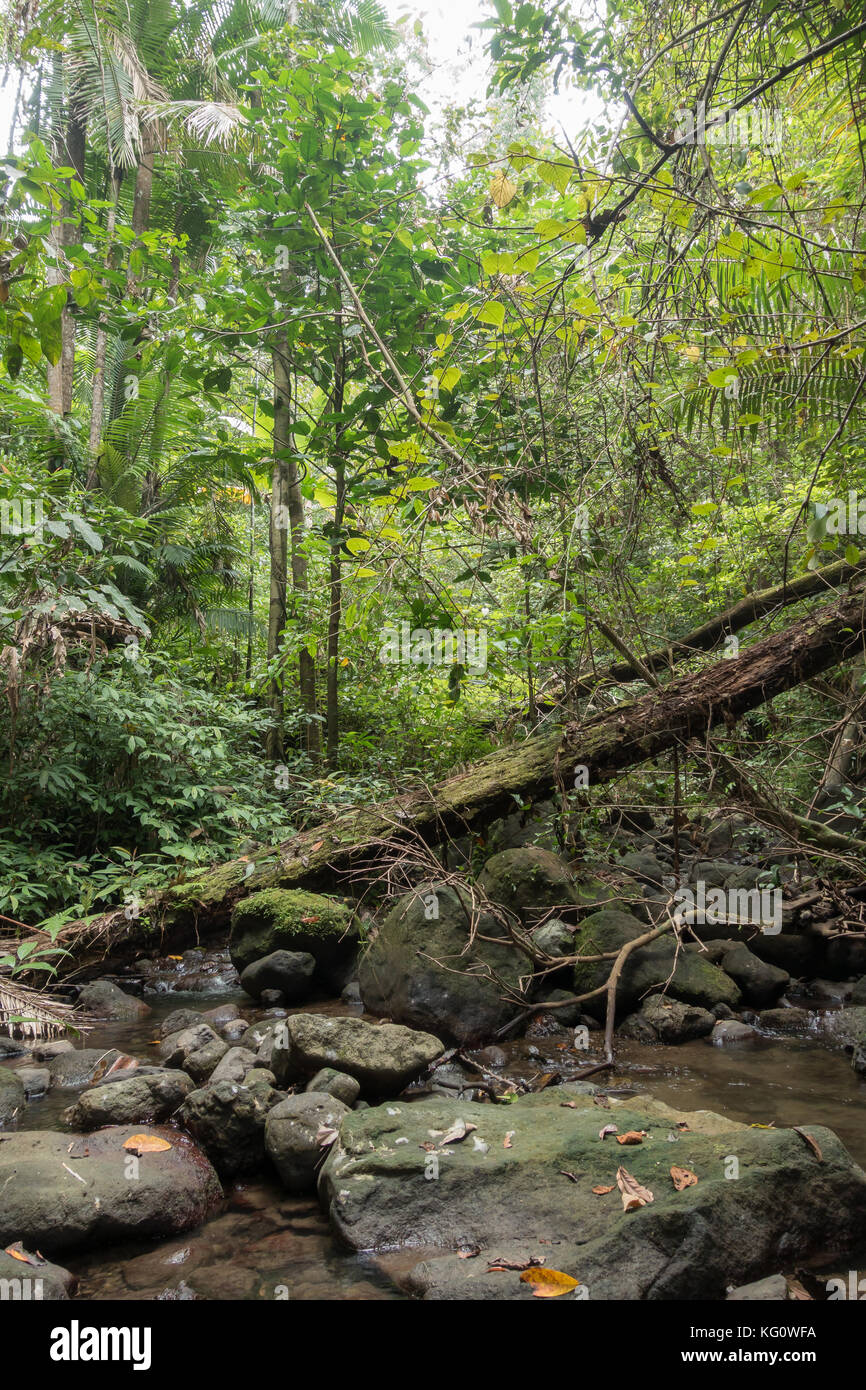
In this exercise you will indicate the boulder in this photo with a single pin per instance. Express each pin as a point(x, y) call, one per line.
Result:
point(337, 1084)
point(177, 1048)
point(383, 1057)
point(694, 981)
point(292, 920)
point(203, 1062)
point(794, 1021)
point(293, 1136)
point(35, 1080)
point(421, 970)
point(62, 1196)
point(178, 1021)
point(222, 1014)
point(663, 1020)
point(228, 1122)
point(555, 938)
point(33, 1279)
point(146, 1097)
point(643, 867)
point(84, 1065)
point(386, 1188)
point(288, 972)
point(234, 1030)
point(528, 881)
point(12, 1095)
point(759, 982)
point(12, 1047)
point(731, 1030)
point(234, 1065)
point(104, 999)
point(845, 1029)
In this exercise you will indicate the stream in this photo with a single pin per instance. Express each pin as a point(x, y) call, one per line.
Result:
point(266, 1243)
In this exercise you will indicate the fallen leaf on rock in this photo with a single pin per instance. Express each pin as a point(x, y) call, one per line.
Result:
point(506, 1143)
point(633, 1194)
point(18, 1252)
point(499, 1264)
point(634, 1136)
point(608, 1129)
point(602, 1191)
point(796, 1292)
point(565, 1174)
point(568, 1105)
point(317, 845)
point(326, 1135)
point(683, 1178)
point(469, 1254)
point(146, 1144)
point(813, 1143)
point(458, 1131)
point(548, 1283)
point(174, 957)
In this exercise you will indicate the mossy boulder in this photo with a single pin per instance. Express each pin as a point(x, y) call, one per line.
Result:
point(528, 881)
point(421, 970)
point(648, 969)
point(390, 1182)
point(292, 920)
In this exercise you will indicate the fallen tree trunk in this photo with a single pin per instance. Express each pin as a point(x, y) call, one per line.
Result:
point(592, 752)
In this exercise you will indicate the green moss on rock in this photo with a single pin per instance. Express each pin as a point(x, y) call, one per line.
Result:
point(294, 920)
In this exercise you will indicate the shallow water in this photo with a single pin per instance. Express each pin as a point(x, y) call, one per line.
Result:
point(267, 1244)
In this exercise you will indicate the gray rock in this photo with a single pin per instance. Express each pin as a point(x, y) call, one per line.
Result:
point(82, 1066)
point(352, 994)
point(177, 1047)
point(858, 991)
point(795, 1021)
point(204, 1060)
point(258, 1076)
point(478, 1193)
point(770, 1290)
point(44, 1051)
point(104, 999)
point(221, 1015)
point(421, 971)
point(146, 1097)
point(179, 1021)
point(12, 1047)
point(12, 1095)
point(555, 938)
point(383, 1057)
point(58, 1196)
point(288, 972)
point(292, 1136)
point(35, 1080)
point(36, 1281)
point(732, 1030)
point(644, 867)
point(664, 1020)
point(335, 1083)
point(234, 1030)
point(228, 1122)
point(759, 983)
point(234, 1065)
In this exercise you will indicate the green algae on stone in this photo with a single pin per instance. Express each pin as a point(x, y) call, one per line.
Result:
point(294, 920)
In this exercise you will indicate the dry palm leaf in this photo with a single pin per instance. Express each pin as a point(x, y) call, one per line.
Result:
point(27, 1012)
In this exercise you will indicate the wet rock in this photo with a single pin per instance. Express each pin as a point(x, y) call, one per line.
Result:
point(35, 1280)
point(178, 1021)
point(694, 981)
point(731, 1030)
point(234, 1030)
point(831, 991)
point(795, 1021)
point(104, 999)
point(35, 1080)
point(50, 1208)
point(228, 1122)
point(221, 1015)
point(569, 1014)
point(845, 1028)
point(846, 956)
point(801, 953)
point(204, 1060)
point(271, 996)
point(421, 971)
point(234, 1065)
point(383, 1057)
point(546, 1024)
point(44, 1051)
point(291, 920)
point(288, 972)
point(82, 1066)
point(178, 1047)
point(760, 983)
point(258, 1076)
point(12, 1095)
point(12, 1047)
point(555, 938)
point(335, 1083)
point(147, 1097)
point(685, 1245)
point(352, 994)
point(292, 1136)
point(257, 1033)
point(664, 1020)
point(528, 881)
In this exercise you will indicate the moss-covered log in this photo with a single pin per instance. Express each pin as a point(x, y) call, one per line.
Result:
point(603, 746)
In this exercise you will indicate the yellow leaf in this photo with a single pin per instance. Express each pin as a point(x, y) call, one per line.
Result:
point(549, 1283)
point(502, 190)
point(146, 1144)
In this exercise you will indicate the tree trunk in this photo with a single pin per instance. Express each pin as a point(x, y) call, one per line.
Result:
point(69, 151)
point(355, 842)
point(335, 573)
